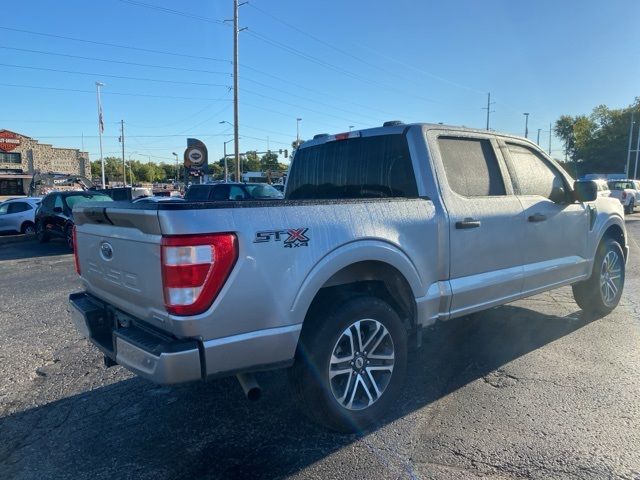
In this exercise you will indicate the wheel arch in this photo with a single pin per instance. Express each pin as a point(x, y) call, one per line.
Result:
point(615, 232)
point(371, 267)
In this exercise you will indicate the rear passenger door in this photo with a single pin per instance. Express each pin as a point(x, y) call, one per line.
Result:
point(485, 221)
point(556, 228)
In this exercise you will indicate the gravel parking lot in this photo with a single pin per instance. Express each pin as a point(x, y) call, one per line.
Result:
point(528, 390)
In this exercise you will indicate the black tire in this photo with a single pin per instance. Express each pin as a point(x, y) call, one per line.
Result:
point(68, 236)
point(591, 297)
point(41, 234)
point(323, 339)
point(28, 228)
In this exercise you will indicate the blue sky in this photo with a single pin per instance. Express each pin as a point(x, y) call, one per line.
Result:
point(332, 63)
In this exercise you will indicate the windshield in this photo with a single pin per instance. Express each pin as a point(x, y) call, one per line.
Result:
point(262, 191)
point(84, 198)
point(620, 185)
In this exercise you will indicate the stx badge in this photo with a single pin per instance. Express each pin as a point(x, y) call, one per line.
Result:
point(291, 238)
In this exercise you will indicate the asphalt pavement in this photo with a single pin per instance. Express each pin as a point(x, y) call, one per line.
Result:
point(527, 390)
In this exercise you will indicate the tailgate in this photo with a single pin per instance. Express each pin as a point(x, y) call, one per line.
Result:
point(119, 255)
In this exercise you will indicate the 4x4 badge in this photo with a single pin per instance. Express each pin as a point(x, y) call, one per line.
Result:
point(295, 237)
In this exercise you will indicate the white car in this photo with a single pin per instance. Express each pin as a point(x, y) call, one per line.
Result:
point(627, 191)
point(18, 215)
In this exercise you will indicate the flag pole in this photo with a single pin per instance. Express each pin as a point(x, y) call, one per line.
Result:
point(100, 129)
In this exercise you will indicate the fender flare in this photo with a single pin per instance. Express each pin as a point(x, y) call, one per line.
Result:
point(346, 255)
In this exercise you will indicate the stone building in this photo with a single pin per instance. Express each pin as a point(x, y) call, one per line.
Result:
point(21, 156)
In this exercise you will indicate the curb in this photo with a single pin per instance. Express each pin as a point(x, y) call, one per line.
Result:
point(9, 239)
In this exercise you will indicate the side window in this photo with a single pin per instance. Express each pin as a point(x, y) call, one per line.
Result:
point(236, 193)
point(220, 192)
point(471, 166)
point(58, 202)
point(17, 207)
point(532, 174)
point(47, 203)
point(4, 208)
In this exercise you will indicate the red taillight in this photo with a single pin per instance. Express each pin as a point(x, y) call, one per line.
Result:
point(194, 269)
point(76, 260)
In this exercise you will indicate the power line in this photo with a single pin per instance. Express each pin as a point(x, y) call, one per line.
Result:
point(121, 62)
point(356, 57)
point(114, 45)
point(173, 12)
point(106, 75)
point(73, 90)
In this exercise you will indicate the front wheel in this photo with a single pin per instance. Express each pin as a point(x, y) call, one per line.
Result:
point(28, 228)
point(350, 365)
point(601, 293)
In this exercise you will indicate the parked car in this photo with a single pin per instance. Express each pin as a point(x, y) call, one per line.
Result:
point(232, 191)
point(54, 216)
point(18, 215)
point(384, 232)
point(278, 186)
point(627, 191)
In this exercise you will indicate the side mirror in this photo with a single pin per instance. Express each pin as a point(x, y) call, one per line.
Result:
point(585, 191)
point(558, 194)
point(57, 209)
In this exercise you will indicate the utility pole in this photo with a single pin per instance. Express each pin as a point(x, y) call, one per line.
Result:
point(236, 140)
point(538, 140)
point(550, 132)
point(488, 108)
point(635, 170)
point(100, 129)
point(526, 125)
point(630, 141)
point(124, 167)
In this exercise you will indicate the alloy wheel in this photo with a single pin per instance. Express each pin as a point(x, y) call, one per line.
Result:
point(361, 364)
point(610, 277)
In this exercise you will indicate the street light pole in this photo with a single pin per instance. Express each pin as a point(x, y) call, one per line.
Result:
point(630, 140)
point(538, 140)
point(177, 167)
point(526, 125)
point(298, 120)
point(350, 127)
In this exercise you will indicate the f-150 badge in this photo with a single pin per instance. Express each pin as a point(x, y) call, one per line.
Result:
point(291, 238)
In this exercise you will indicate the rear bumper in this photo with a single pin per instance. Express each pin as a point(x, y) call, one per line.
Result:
point(164, 359)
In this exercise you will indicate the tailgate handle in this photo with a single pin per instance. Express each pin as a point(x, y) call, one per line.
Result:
point(537, 217)
point(467, 223)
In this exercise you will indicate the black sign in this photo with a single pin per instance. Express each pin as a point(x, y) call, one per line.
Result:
point(196, 156)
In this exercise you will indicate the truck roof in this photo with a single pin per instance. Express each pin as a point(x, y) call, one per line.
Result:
point(397, 128)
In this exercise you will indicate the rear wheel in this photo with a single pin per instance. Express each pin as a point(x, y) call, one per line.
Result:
point(601, 293)
point(350, 364)
point(41, 234)
point(28, 228)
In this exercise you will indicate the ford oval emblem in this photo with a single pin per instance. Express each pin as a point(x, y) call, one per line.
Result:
point(106, 250)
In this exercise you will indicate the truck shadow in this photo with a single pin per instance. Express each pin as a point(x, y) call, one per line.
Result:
point(30, 248)
point(135, 429)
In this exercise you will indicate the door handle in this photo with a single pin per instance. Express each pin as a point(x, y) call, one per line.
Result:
point(537, 217)
point(467, 223)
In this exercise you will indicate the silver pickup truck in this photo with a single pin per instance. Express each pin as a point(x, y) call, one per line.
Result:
point(382, 232)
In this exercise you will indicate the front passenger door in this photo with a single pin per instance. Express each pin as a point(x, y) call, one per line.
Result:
point(556, 228)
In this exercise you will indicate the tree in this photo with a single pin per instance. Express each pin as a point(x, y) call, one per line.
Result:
point(597, 143)
point(296, 143)
point(251, 162)
point(269, 161)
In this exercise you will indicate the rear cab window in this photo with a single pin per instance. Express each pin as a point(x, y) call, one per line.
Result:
point(360, 167)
